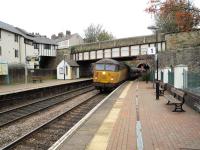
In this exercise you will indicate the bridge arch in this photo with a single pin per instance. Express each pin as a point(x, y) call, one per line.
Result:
point(144, 66)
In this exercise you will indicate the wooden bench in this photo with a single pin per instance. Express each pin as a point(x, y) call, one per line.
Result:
point(176, 99)
point(162, 88)
point(36, 78)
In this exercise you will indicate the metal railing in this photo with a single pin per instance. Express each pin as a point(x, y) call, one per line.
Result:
point(191, 82)
point(171, 77)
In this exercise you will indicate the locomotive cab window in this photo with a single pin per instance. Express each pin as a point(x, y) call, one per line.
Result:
point(99, 67)
point(110, 67)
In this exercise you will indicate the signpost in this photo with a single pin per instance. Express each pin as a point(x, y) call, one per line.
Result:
point(4, 70)
point(151, 51)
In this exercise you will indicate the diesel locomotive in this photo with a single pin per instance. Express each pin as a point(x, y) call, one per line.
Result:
point(109, 73)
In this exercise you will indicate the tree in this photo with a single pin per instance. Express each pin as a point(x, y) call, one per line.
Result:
point(96, 33)
point(104, 35)
point(174, 15)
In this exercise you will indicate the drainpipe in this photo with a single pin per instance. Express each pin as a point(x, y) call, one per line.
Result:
point(26, 70)
point(20, 58)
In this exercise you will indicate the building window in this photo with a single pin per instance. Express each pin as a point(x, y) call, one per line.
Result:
point(36, 46)
point(29, 42)
point(16, 53)
point(61, 70)
point(16, 38)
point(0, 51)
point(47, 46)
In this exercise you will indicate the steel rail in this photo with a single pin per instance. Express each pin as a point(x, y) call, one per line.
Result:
point(5, 121)
point(14, 143)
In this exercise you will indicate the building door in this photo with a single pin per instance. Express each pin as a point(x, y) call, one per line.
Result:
point(73, 72)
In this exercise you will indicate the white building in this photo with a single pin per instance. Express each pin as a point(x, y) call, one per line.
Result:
point(14, 46)
point(46, 49)
point(17, 46)
point(69, 40)
point(67, 69)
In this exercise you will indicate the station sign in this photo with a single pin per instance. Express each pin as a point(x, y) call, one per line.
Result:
point(151, 51)
point(3, 68)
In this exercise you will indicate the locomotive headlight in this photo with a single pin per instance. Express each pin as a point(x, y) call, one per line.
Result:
point(111, 79)
point(103, 72)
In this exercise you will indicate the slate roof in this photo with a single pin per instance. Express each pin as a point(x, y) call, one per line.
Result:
point(10, 28)
point(25, 34)
point(72, 63)
point(15, 30)
point(44, 40)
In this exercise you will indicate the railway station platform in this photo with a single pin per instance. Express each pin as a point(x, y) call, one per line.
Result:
point(131, 118)
point(8, 89)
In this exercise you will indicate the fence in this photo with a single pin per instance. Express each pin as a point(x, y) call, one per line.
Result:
point(191, 82)
point(152, 76)
point(171, 77)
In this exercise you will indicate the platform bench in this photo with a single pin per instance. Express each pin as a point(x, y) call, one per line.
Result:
point(36, 78)
point(162, 88)
point(177, 99)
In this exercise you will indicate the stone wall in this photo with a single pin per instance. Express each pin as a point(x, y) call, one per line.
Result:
point(189, 56)
point(182, 40)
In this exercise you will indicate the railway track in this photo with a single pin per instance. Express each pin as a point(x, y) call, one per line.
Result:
point(48, 133)
point(15, 114)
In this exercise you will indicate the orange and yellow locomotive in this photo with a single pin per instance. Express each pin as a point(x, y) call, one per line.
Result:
point(109, 73)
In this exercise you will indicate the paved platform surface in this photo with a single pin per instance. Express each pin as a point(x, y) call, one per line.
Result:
point(6, 89)
point(116, 124)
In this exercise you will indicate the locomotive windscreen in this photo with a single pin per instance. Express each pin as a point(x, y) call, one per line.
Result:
point(99, 66)
point(110, 67)
point(107, 67)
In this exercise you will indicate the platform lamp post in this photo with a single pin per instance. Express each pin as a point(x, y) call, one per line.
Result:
point(154, 28)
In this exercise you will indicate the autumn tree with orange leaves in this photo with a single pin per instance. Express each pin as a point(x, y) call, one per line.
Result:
point(174, 15)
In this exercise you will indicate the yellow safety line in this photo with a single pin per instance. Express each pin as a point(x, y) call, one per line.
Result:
point(125, 91)
point(100, 140)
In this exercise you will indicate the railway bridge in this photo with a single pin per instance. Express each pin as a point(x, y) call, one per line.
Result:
point(173, 48)
point(132, 50)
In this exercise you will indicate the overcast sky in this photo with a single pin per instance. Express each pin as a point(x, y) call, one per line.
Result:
point(123, 18)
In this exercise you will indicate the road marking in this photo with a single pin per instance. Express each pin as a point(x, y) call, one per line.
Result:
point(138, 123)
point(139, 135)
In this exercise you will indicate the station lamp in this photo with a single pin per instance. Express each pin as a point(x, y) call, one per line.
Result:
point(154, 28)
